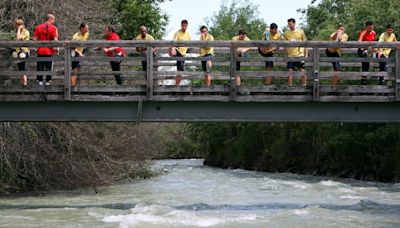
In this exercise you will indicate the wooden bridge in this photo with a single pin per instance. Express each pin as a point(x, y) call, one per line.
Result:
point(147, 95)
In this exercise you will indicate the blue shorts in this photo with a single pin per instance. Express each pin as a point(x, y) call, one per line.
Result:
point(293, 65)
point(267, 63)
point(180, 64)
point(76, 64)
point(204, 63)
point(335, 65)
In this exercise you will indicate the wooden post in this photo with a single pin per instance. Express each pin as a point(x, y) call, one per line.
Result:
point(315, 57)
point(67, 71)
point(150, 73)
point(397, 76)
point(233, 73)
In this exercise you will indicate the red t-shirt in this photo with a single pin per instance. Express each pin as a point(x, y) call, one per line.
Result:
point(367, 36)
point(45, 32)
point(114, 36)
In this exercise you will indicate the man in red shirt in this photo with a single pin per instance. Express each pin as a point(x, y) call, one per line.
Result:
point(45, 32)
point(110, 34)
point(366, 35)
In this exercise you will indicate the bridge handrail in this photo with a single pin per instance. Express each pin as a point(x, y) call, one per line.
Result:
point(314, 60)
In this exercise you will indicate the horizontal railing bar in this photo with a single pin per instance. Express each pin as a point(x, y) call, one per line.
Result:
point(164, 43)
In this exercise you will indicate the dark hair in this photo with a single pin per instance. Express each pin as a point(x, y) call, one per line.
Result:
point(203, 27)
point(368, 23)
point(109, 28)
point(273, 26)
point(389, 26)
point(83, 25)
point(242, 32)
point(184, 22)
point(340, 25)
point(291, 20)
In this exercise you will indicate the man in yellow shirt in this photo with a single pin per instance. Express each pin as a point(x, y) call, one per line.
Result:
point(180, 35)
point(23, 52)
point(241, 52)
point(295, 35)
point(82, 35)
point(338, 36)
point(271, 34)
point(142, 50)
point(387, 36)
point(206, 52)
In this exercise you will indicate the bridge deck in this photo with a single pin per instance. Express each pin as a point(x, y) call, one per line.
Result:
point(143, 91)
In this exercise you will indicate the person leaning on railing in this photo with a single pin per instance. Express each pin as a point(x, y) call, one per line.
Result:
point(366, 35)
point(241, 52)
point(142, 50)
point(22, 52)
point(110, 34)
point(338, 36)
point(387, 36)
point(82, 35)
point(206, 52)
point(271, 34)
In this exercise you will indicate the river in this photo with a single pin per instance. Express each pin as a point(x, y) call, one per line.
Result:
point(189, 194)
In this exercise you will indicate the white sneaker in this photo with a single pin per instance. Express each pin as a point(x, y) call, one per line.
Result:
point(40, 83)
point(48, 83)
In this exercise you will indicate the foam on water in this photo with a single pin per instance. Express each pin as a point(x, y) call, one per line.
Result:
point(331, 183)
point(157, 214)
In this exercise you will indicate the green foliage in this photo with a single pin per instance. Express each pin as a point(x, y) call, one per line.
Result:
point(134, 13)
point(363, 151)
point(237, 15)
point(322, 18)
point(7, 36)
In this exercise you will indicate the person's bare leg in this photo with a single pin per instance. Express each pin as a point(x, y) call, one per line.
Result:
point(24, 80)
point(74, 77)
point(290, 77)
point(268, 79)
point(237, 80)
point(178, 80)
point(303, 78)
point(335, 79)
point(207, 80)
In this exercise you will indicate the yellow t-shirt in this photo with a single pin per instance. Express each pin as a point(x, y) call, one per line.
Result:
point(207, 50)
point(25, 37)
point(79, 37)
point(147, 37)
point(182, 36)
point(275, 37)
point(236, 38)
point(385, 38)
point(332, 38)
point(297, 35)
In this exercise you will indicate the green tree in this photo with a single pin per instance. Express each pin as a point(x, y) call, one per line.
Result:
point(322, 17)
point(226, 23)
point(134, 13)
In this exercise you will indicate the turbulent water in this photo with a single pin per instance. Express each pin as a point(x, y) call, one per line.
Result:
point(189, 194)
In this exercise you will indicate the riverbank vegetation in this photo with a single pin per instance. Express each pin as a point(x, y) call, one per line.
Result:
point(54, 156)
point(361, 151)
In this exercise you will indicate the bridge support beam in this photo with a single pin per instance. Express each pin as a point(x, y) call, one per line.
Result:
point(199, 112)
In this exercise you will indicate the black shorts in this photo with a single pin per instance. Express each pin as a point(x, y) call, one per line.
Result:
point(76, 64)
point(335, 65)
point(180, 64)
point(267, 63)
point(204, 63)
point(297, 64)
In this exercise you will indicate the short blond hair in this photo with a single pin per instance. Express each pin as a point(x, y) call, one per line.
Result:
point(19, 22)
